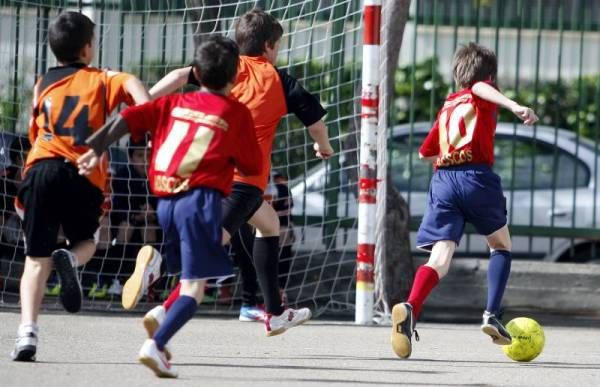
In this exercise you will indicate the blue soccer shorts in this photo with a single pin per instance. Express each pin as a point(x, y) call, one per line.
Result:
point(467, 193)
point(191, 225)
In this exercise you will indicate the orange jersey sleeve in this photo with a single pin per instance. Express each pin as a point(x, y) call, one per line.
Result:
point(72, 103)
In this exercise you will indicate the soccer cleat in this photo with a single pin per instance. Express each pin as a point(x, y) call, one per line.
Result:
point(276, 325)
point(97, 292)
point(492, 327)
point(147, 270)
point(156, 360)
point(26, 343)
point(252, 313)
point(70, 287)
point(153, 319)
point(403, 327)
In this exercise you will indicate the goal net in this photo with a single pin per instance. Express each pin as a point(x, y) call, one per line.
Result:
point(321, 46)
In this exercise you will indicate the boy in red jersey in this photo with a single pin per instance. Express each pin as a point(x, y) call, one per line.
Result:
point(70, 102)
point(463, 189)
point(270, 94)
point(197, 138)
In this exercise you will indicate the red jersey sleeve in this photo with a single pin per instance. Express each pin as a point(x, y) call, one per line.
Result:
point(485, 104)
point(431, 144)
point(142, 119)
point(248, 159)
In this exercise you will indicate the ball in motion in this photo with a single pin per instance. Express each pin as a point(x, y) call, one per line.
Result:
point(527, 339)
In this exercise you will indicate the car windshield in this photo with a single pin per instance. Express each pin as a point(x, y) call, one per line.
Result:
point(534, 164)
point(537, 165)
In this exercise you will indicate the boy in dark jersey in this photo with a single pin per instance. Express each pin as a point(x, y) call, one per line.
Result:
point(270, 94)
point(70, 102)
point(197, 139)
point(463, 189)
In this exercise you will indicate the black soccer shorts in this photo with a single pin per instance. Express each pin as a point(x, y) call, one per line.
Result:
point(54, 195)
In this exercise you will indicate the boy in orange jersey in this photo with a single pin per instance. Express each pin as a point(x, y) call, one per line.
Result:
point(270, 94)
point(70, 102)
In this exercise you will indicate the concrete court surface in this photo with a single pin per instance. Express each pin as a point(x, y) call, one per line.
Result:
point(100, 350)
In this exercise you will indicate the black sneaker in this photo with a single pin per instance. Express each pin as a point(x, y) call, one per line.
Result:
point(403, 326)
point(25, 344)
point(70, 288)
point(492, 327)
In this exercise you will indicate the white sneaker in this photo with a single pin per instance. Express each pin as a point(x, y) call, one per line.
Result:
point(147, 270)
point(156, 360)
point(26, 343)
point(276, 325)
point(153, 319)
point(115, 288)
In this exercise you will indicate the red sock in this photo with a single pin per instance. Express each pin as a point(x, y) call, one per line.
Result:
point(172, 297)
point(426, 279)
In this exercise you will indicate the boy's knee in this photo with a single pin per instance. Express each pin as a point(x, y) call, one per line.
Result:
point(505, 245)
point(38, 266)
point(440, 269)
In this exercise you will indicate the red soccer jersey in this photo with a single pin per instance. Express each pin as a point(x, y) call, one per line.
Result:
point(197, 140)
point(463, 132)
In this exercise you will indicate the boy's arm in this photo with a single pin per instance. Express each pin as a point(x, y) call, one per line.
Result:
point(322, 147)
point(430, 148)
point(136, 120)
point(171, 82)
point(100, 141)
point(487, 92)
point(136, 89)
point(308, 110)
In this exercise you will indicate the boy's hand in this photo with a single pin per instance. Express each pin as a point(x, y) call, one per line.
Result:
point(526, 114)
point(323, 152)
point(87, 162)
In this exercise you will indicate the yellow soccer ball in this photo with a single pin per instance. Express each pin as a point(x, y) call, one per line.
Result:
point(527, 339)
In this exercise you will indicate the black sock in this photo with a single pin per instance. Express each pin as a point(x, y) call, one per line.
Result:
point(266, 261)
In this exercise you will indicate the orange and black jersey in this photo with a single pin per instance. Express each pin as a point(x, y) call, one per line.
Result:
point(270, 94)
point(70, 103)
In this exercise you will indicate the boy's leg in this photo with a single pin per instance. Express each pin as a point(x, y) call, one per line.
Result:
point(80, 211)
point(242, 246)
point(428, 275)
point(41, 223)
point(498, 273)
point(182, 310)
point(404, 315)
point(266, 261)
point(266, 256)
point(33, 284)
point(153, 353)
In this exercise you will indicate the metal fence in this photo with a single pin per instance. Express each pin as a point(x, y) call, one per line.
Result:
point(549, 58)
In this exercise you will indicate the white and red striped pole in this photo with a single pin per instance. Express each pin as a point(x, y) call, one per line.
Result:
point(367, 195)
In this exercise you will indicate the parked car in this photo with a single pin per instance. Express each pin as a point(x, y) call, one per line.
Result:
point(529, 164)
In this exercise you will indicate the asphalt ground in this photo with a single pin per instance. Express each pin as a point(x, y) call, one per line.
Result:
point(101, 350)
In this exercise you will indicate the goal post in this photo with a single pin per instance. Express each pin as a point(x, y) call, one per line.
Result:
point(368, 178)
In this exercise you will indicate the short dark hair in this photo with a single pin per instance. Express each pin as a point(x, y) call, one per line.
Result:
point(216, 61)
point(68, 34)
point(255, 28)
point(474, 63)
